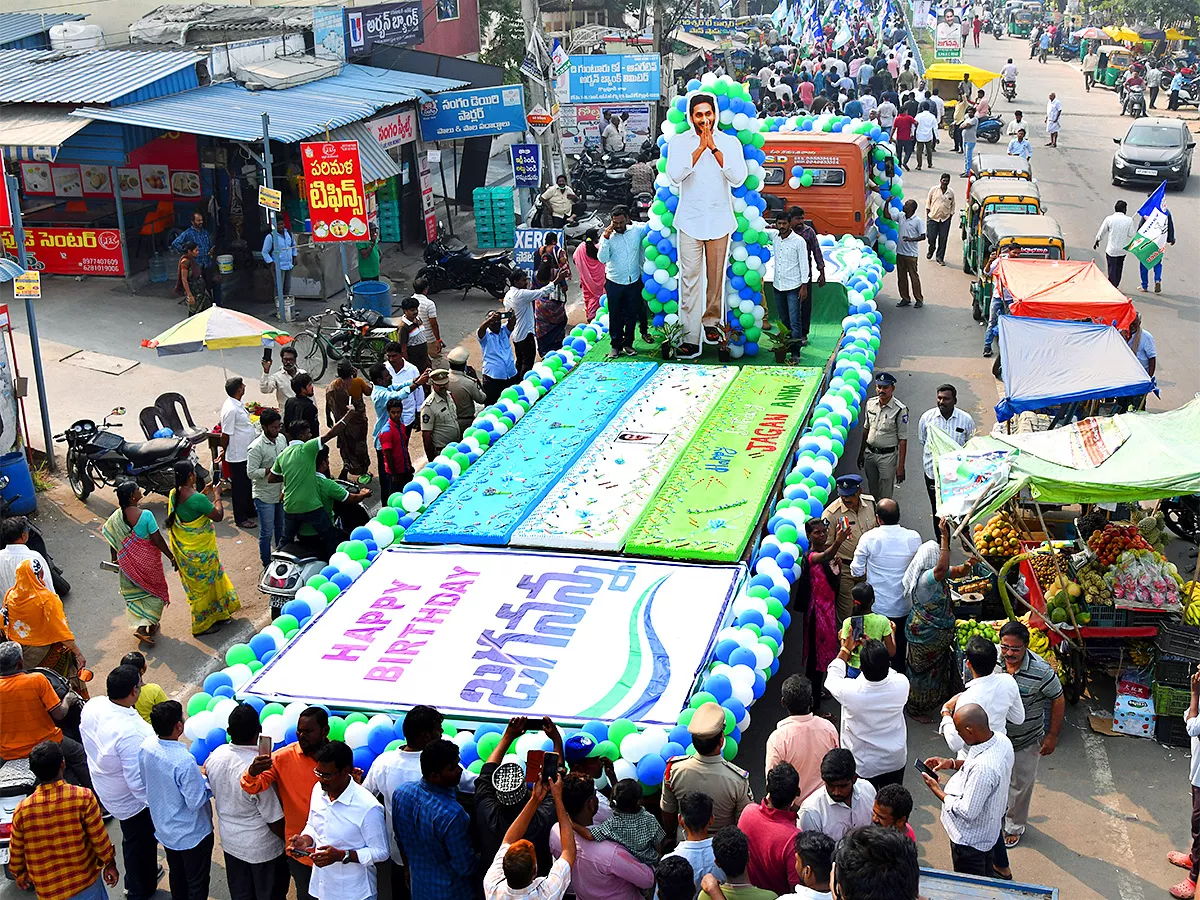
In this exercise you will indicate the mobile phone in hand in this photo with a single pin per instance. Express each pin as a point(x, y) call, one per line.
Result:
point(265, 745)
point(857, 630)
point(550, 767)
point(535, 761)
point(300, 851)
point(266, 354)
point(919, 765)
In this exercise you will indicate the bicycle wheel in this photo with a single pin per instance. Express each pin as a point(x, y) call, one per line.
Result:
point(310, 354)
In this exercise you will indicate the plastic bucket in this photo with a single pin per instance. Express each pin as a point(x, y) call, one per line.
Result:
point(289, 309)
point(225, 263)
point(19, 491)
point(372, 295)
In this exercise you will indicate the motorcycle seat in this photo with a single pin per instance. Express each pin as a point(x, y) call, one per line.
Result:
point(301, 551)
point(151, 451)
point(15, 778)
point(488, 257)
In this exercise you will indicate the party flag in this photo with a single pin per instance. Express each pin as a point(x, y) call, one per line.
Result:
point(1151, 238)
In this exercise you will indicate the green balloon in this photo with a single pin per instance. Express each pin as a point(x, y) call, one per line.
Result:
point(759, 140)
point(739, 267)
point(358, 550)
point(753, 333)
point(397, 532)
point(752, 182)
point(239, 653)
point(316, 581)
point(607, 749)
point(804, 507)
point(661, 165)
point(330, 590)
point(463, 461)
point(752, 627)
point(212, 703)
point(441, 481)
point(820, 493)
point(672, 270)
point(730, 721)
point(476, 767)
point(198, 703)
point(787, 534)
point(685, 716)
point(387, 516)
point(655, 306)
point(770, 642)
point(487, 744)
point(394, 745)
point(651, 252)
point(254, 666)
point(759, 591)
point(754, 279)
point(729, 751)
point(674, 115)
point(746, 320)
point(671, 306)
point(668, 219)
point(619, 730)
point(337, 728)
point(271, 709)
point(806, 179)
point(356, 717)
point(699, 698)
point(286, 623)
point(774, 606)
point(745, 136)
point(658, 207)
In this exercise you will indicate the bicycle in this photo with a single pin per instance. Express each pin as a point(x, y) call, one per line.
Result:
point(352, 340)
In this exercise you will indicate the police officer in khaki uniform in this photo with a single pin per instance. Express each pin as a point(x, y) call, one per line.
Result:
point(859, 510)
point(708, 771)
point(884, 439)
point(439, 415)
point(464, 390)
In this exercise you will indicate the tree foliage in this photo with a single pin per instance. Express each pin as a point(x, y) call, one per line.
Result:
point(1180, 13)
point(504, 36)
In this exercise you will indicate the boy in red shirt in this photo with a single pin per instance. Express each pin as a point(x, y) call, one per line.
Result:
point(393, 443)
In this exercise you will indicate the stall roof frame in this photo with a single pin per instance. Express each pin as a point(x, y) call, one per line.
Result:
point(93, 76)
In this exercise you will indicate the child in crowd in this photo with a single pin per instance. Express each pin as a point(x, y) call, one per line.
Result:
point(635, 829)
point(874, 625)
point(150, 694)
point(893, 806)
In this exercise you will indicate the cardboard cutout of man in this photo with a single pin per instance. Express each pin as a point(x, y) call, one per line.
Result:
point(706, 164)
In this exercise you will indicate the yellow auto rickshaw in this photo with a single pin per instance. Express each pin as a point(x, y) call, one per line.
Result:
point(999, 165)
point(989, 196)
point(1113, 62)
point(1035, 237)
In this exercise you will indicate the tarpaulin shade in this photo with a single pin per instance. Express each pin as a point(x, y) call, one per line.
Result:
point(1047, 362)
point(955, 72)
point(1069, 289)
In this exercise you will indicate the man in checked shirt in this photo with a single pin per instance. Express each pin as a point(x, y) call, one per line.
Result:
point(59, 846)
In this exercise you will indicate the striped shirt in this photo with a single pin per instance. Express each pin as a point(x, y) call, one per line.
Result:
point(1039, 687)
point(977, 794)
point(960, 428)
point(58, 841)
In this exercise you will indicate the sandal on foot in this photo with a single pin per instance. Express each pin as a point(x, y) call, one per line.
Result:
point(1185, 890)
point(1011, 840)
point(1179, 858)
point(144, 636)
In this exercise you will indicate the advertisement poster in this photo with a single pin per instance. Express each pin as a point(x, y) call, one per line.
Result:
point(581, 123)
point(130, 183)
point(156, 180)
point(948, 42)
point(452, 115)
point(527, 165)
point(27, 286)
point(390, 24)
point(67, 181)
point(427, 200)
point(96, 181)
point(329, 32)
point(526, 242)
point(396, 130)
point(70, 251)
point(336, 199)
point(707, 26)
point(612, 78)
point(491, 634)
point(36, 178)
point(269, 198)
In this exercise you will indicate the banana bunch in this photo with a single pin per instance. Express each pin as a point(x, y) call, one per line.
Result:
point(1141, 653)
point(1191, 601)
point(1039, 643)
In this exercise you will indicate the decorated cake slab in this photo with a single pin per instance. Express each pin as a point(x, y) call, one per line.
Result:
point(709, 504)
point(493, 497)
point(598, 500)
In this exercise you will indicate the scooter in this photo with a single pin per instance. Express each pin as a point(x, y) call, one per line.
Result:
point(449, 264)
point(1182, 515)
point(575, 227)
point(640, 207)
point(36, 542)
point(604, 185)
point(989, 129)
point(1134, 103)
point(97, 455)
point(1008, 87)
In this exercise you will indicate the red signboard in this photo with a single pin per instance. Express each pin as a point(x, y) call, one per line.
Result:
point(5, 213)
point(336, 199)
point(70, 251)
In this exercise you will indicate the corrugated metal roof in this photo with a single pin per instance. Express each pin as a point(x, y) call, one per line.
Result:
point(86, 76)
point(16, 26)
point(376, 164)
point(230, 111)
point(31, 131)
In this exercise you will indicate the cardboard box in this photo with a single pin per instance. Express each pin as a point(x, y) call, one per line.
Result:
point(1134, 716)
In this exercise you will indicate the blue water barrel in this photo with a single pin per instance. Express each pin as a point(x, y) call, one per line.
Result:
point(372, 295)
point(19, 491)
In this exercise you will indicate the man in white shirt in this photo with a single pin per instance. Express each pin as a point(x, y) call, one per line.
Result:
point(513, 873)
point(112, 733)
point(974, 799)
point(251, 825)
point(873, 725)
point(791, 277)
point(403, 374)
point(1009, 71)
point(927, 124)
point(1117, 230)
point(613, 136)
point(883, 555)
point(844, 803)
point(280, 382)
point(1017, 124)
point(236, 434)
point(519, 301)
point(956, 424)
point(279, 252)
point(887, 114)
point(15, 533)
point(1053, 120)
point(345, 825)
point(992, 689)
point(706, 164)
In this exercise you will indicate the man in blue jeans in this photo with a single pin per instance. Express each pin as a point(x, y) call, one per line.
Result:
point(968, 131)
point(792, 298)
point(268, 496)
point(1145, 273)
point(621, 252)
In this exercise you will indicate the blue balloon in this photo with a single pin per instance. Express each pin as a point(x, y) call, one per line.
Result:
point(735, 706)
point(216, 680)
point(743, 657)
point(257, 702)
point(226, 691)
point(266, 658)
point(725, 648)
point(297, 608)
point(680, 735)
point(342, 580)
point(261, 643)
point(329, 571)
point(651, 768)
point(719, 686)
point(468, 753)
point(672, 748)
point(598, 731)
point(363, 758)
point(773, 632)
point(215, 737)
point(361, 533)
point(199, 750)
point(379, 737)
point(289, 735)
point(760, 684)
point(751, 617)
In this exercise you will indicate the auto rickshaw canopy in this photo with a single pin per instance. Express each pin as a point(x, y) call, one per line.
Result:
point(992, 165)
point(1066, 289)
point(955, 72)
point(1004, 190)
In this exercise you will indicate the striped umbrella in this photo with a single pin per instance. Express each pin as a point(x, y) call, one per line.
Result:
point(216, 328)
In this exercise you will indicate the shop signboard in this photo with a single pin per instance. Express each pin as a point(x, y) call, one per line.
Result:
point(585, 122)
point(613, 78)
point(70, 251)
point(336, 200)
point(527, 165)
point(539, 119)
point(427, 200)
point(389, 24)
point(707, 26)
point(395, 130)
point(473, 113)
point(527, 241)
point(27, 286)
point(269, 198)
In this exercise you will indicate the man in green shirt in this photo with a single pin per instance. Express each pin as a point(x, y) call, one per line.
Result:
point(332, 494)
point(368, 257)
point(296, 467)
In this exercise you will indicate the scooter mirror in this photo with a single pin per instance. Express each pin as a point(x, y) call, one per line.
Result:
point(118, 411)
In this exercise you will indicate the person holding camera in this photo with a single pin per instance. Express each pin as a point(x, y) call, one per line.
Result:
point(499, 363)
point(513, 872)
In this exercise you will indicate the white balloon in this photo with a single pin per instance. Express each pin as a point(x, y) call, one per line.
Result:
point(730, 632)
point(655, 738)
point(753, 263)
point(633, 748)
point(384, 537)
point(276, 634)
point(356, 734)
point(736, 351)
point(722, 669)
point(380, 719)
point(742, 675)
point(292, 712)
point(671, 318)
point(309, 595)
point(202, 723)
point(338, 559)
point(744, 723)
point(726, 117)
point(763, 654)
point(275, 728)
point(222, 710)
point(708, 79)
point(622, 767)
point(353, 568)
point(744, 693)
point(527, 742)
point(739, 252)
point(463, 738)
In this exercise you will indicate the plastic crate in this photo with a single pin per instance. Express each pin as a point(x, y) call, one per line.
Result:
point(1170, 701)
point(1177, 639)
point(1174, 670)
point(1107, 616)
point(1171, 730)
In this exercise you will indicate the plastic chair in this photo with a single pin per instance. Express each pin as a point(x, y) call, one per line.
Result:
point(151, 421)
point(157, 220)
point(169, 406)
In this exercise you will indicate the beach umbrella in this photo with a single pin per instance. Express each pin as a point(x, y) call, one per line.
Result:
point(216, 328)
point(1173, 34)
point(1091, 33)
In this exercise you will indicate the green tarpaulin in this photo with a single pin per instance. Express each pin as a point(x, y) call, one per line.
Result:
point(1161, 458)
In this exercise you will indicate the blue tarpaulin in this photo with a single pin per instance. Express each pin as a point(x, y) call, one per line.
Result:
point(1048, 362)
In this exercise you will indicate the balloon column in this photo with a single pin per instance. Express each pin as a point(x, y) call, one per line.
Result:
point(750, 246)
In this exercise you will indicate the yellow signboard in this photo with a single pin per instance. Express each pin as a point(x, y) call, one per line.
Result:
point(270, 199)
point(28, 286)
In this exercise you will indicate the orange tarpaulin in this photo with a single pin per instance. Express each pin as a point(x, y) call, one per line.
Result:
point(1070, 290)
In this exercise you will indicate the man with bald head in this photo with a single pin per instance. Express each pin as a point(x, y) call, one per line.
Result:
point(975, 797)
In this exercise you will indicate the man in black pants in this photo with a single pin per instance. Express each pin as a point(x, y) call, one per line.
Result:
point(621, 252)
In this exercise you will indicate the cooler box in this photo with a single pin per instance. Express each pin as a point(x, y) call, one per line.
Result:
point(1134, 716)
point(373, 295)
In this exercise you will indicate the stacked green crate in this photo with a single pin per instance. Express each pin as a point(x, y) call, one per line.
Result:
point(388, 199)
point(495, 223)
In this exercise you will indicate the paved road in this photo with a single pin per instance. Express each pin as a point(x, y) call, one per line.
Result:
point(1106, 809)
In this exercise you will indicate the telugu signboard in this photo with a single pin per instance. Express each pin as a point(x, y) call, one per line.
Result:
point(707, 26)
point(612, 78)
point(526, 242)
point(487, 634)
point(395, 130)
point(389, 24)
point(948, 42)
point(27, 286)
point(70, 251)
point(474, 113)
point(336, 199)
point(526, 165)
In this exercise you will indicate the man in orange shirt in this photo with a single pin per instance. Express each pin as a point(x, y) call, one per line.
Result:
point(801, 739)
point(293, 772)
point(59, 846)
point(29, 709)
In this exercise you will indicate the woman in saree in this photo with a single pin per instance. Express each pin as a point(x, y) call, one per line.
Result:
point(191, 511)
point(930, 628)
point(591, 272)
point(34, 618)
point(817, 591)
point(138, 548)
point(189, 280)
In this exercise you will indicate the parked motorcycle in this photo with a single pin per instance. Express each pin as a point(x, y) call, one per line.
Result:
point(640, 208)
point(449, 264)
point(97, 455)
point(1182, 515)
point(36, 542)
point(1068, 52)
point(603, 185)
point(1009, 88)
point(989, 129)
